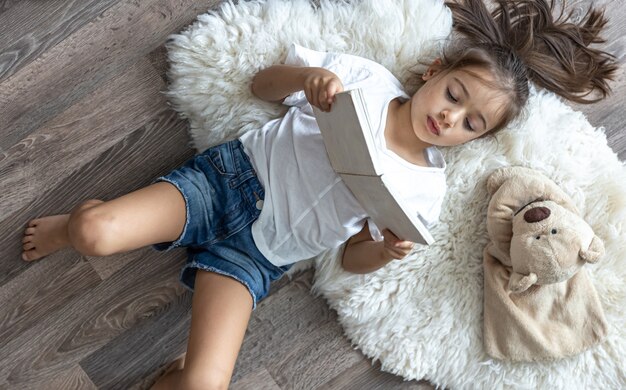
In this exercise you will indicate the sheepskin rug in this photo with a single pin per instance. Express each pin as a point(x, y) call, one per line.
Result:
point(421, 317)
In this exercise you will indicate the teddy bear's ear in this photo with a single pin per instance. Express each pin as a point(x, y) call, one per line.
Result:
point(502, 174)
point(497, 177)
point(595, 251)
point(519, 283)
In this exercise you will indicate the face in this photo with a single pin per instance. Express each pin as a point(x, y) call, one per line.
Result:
point(456, 107)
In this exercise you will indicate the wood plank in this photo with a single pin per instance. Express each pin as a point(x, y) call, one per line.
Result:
point(131, 357)
point(257, 380)
point(90, 56)
point(79, 134)
point(90, 321)
point(158, 59)
point(39, 300)
point(6, 4)
point(29, 28)
point(315, 357)
point(72, 379)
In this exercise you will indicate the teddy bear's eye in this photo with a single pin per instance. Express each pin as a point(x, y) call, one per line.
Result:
point(538, 237)
point(553, 231)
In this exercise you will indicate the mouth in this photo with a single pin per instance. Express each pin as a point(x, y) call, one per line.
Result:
point(432, 126)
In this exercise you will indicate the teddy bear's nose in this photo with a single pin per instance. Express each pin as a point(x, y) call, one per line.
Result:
point(536, 214)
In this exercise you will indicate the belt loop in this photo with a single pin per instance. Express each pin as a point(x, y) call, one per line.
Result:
point(235, 153)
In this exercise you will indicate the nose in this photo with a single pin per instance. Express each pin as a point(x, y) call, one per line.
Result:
point(451, 116)
point(536, 214)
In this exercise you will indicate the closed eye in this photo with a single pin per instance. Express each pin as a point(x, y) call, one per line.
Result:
point(451, 97)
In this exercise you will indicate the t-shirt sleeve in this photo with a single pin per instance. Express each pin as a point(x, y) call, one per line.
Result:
point(353, 71)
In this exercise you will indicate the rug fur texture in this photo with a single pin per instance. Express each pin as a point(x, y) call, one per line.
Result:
point(421, 317)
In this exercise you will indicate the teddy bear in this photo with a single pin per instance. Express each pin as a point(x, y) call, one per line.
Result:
point(539, 300)
point(549, 241)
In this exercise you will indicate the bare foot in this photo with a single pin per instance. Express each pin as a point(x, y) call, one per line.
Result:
point(44, 236)
point(177, 364)
point(171, 375)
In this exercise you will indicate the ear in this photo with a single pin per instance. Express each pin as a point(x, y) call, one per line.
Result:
point(432, 70)
point(519, 283)
point(595, 251)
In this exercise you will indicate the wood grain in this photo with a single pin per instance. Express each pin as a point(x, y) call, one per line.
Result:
point(82, 132)
point(89, 321)
point(90, 56)
point(257, 380)
point(159, 338)
point(29, 28)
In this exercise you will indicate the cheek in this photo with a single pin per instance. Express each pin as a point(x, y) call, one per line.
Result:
point(460, 136)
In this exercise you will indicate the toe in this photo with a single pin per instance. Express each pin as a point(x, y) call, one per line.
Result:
point(33, 222)
point(27, 239)
point(30, 255)
point(28, 246)
point(30, 230)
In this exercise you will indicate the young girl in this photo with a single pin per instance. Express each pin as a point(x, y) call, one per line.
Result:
point(248, 209)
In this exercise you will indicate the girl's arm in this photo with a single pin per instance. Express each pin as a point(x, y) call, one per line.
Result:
point(275, 83)
point(363, 255)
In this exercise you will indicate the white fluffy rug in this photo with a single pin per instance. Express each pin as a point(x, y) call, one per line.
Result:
point(422, 316)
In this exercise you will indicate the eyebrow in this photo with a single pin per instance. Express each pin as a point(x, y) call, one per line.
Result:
point(468, 96)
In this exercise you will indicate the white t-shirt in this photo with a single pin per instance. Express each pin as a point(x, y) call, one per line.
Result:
point(307, 207)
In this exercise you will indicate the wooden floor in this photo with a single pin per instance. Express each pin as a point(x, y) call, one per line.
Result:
point(82, 116)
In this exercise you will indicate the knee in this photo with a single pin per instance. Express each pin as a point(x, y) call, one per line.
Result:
point(89, 230)
point(207, 379)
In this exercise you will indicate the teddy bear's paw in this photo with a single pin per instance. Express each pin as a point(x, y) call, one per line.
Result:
point(519, 283)
point(594, 252)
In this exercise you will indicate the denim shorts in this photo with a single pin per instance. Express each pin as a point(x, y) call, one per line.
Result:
point(223, 197)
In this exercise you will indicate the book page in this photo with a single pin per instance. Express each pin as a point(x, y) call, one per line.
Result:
point(349, 142)
point(348, 145)
point(385, 210)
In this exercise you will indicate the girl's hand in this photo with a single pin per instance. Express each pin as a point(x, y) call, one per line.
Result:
point(320, 87)
point(394, 247)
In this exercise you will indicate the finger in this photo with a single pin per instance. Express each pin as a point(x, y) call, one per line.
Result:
point(333, 88)
point(323, 99)
point(404, 244)
point(396, 254)
point(313, 98)
point(307, 93)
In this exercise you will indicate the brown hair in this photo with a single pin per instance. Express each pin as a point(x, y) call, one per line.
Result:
point(519, 41)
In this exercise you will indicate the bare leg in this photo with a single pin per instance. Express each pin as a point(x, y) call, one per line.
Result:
point(150, 215)
point(220, 312)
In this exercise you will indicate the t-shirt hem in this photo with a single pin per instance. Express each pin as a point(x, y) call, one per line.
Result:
point(257, 236)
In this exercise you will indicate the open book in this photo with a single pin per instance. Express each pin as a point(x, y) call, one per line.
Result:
point(349, 141)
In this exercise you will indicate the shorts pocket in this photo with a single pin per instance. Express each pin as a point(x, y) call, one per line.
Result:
point(214, 156)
